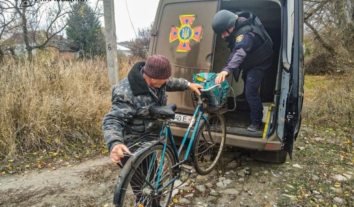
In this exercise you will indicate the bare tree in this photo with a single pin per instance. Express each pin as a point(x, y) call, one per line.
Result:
point(40, 22)
point(6, 26)
point(140, 45)
point(331, 20)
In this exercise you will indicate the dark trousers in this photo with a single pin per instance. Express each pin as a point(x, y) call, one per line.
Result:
point(137, 181)
point(252, 79)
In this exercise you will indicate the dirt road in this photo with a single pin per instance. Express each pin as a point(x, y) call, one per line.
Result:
point(317, 175)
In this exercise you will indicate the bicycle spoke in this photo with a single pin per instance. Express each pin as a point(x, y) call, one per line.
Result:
point(142, 185)
point(209, 144)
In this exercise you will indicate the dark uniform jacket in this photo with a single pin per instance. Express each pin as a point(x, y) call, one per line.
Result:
point(244, 45)
point(131, 99)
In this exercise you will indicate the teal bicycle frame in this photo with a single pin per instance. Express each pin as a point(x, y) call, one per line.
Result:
point(197, 116)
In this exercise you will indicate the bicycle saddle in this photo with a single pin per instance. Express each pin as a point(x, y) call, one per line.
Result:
point(164, 112)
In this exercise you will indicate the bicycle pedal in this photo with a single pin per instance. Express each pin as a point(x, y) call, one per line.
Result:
point(186, 168)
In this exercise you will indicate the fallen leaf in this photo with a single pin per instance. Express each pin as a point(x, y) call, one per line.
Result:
point(341, 157)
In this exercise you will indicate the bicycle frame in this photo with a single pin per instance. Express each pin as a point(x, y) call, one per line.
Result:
point(197, 116)
point(155, 187)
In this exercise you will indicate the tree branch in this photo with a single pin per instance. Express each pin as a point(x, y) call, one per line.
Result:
point(314, 11)
point(49, 38)
point(320, 39)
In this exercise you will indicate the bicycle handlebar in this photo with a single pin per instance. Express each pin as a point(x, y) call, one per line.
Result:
point(204, 90)
point(200, 101)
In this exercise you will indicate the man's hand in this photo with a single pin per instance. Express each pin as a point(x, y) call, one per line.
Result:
point(117, 152)
point(195, 87)
point(221, 77)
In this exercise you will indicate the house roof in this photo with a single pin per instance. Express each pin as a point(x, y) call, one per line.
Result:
point(122, 48)
point(57, 41)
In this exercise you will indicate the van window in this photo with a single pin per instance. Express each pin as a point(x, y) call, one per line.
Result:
point(290, 29)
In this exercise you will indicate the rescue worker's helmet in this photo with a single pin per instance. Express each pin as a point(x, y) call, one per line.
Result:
point(223, 20)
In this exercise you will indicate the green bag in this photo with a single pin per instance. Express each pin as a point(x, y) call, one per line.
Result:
point(217, 96)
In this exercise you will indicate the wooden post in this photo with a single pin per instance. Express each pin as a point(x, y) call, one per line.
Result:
point(111, 41)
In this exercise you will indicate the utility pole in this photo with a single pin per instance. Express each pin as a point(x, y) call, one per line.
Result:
point(111, 41)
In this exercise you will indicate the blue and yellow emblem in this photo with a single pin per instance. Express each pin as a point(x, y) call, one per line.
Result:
point(185, 32)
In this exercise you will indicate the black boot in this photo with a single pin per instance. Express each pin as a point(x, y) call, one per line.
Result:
point(254, 127)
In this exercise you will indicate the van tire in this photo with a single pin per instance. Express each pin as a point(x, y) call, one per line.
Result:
point(278, 157)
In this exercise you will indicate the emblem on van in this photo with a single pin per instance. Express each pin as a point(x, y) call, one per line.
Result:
point(185, 32)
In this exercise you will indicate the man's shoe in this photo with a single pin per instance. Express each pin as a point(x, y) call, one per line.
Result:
point(241, 97)
point(254, 127)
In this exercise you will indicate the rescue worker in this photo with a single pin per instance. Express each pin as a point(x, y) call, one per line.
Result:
point(145, 86)
point(251, 52)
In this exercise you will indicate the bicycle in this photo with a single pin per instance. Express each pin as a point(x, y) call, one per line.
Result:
point(147, 178)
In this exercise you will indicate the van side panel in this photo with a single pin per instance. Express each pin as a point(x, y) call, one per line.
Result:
point(174, 24)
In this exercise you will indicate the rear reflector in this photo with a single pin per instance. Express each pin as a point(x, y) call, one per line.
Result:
point(272, 146)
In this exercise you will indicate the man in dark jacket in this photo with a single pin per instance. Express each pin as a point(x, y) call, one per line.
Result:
point(145, 86)
point(129, 118)
point(251, 51)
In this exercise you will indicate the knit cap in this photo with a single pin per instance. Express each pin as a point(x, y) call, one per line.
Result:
point(158, 67)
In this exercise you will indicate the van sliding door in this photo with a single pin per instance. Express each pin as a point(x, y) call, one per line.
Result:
point(182, 32)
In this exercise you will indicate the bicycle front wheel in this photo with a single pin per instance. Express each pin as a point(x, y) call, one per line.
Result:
point(137, 184)
point(209, 144)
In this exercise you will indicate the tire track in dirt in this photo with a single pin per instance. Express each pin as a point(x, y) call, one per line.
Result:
point(83, 184)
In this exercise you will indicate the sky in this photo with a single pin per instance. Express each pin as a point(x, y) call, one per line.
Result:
point(142, 14)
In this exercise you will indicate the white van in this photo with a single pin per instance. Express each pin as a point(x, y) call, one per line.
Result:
point(182, 32)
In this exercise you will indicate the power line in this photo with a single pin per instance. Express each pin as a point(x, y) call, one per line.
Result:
point(126, 6)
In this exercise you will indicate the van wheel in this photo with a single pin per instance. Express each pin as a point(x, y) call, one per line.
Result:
point(278, 157)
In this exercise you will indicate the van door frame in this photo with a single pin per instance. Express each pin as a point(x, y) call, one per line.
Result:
point(295, 95)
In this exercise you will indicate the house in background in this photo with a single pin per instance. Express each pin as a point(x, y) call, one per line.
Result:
point(61, 48)
point(15, 44)
point(123, 51)
point(57, 47)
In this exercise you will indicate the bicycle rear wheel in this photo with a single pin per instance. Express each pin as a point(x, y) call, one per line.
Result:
point(136, 184)
point(209, 144)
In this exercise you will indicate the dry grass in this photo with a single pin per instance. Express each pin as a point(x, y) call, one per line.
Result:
point(329, 100)
point(53, 106)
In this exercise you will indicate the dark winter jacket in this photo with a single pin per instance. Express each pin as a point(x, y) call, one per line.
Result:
point(131, 99)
